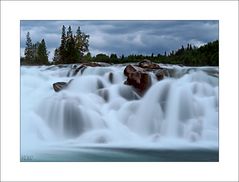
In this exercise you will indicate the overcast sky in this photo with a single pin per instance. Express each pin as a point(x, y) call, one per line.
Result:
point(125, 37)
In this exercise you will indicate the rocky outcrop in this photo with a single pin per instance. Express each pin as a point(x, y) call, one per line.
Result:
point(137, 78)
point(81, 68)
point(58, 86)
point(138, 75)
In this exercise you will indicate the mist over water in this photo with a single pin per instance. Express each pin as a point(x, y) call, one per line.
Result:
point(97, 109)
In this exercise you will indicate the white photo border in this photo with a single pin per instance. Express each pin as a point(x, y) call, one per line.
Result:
point(14, 11)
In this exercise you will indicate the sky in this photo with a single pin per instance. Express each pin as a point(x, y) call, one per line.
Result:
point(124, 37)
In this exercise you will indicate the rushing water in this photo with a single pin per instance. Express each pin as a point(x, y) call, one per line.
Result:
point(98, 116)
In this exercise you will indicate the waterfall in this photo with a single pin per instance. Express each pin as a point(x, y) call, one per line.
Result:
point(98, 108)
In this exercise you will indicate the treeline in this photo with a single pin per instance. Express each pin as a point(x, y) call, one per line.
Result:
point(73, 48)
point(206, 55)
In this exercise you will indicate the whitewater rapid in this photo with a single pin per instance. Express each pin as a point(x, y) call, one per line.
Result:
point(98, 109)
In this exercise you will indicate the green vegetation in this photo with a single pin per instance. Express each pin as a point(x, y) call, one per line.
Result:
point(35, 54)
point(206, 55)
point(74, 49)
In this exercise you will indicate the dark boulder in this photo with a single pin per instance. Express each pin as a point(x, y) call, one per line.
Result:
point(159, 75)
point(82, 68)
point(137, 78)
point(148, 64)
point(58, 86)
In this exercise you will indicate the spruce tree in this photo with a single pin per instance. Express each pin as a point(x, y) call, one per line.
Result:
point(71, 52)
point(29, 55)
point(56, 58)
point(81, 42)
point(35, 53)
point(62, 48)
point(42, 55)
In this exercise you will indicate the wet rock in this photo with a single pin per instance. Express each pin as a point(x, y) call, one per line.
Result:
point(82, 67)
point(129, 69)
point(148, 64)
point(58, 86)
point(92, 64)
point(159, 75)
point(137, 78)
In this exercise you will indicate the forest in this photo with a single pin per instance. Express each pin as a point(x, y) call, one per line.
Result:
point(74, 48)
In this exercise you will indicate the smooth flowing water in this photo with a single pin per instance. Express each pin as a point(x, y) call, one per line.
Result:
point(99, 118)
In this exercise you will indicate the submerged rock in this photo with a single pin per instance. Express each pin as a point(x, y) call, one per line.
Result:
point(101, 139)
point(111, 77)
point(128, 93)
point(73, 119)
point(82, 68)
point(100, 84)
point(159, 75)
point(104, 93)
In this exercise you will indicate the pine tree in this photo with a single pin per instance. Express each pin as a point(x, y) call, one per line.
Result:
point(35, 54)
point(42, 55)
point(81, 42)
point(29, 55)
point(56, 58)
point(71, 52)
point(62, 48)
point(72, 47)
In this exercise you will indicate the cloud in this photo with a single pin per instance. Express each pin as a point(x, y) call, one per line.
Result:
point(126, 37)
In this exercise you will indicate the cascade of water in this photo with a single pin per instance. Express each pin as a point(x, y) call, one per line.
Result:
point(97, 107)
